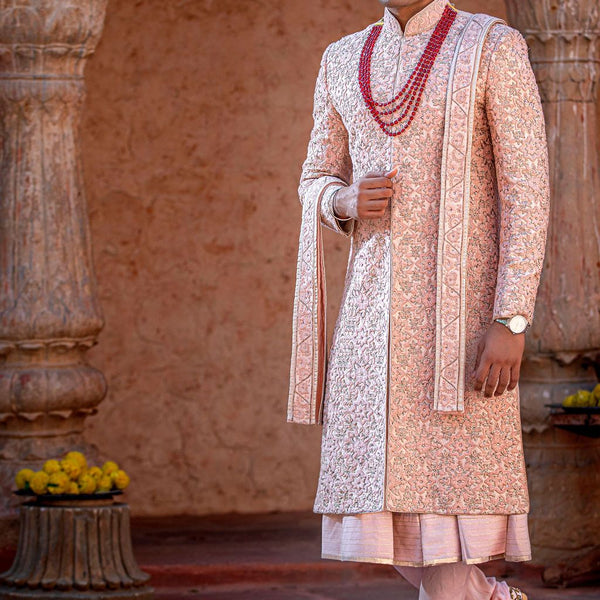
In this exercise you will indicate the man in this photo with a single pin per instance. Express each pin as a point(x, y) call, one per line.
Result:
point(428, 150)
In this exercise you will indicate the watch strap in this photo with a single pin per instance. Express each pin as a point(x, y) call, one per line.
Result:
point(506, 322)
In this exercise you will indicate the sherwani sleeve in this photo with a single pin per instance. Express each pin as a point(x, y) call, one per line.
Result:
point(517, 128)
point(328, 165)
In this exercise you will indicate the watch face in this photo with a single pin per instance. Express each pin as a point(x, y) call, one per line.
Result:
point(518, 324)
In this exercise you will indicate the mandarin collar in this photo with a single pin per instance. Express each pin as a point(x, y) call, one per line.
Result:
point(420, 22)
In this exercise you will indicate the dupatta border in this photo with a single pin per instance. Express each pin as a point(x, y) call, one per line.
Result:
point(449, 376)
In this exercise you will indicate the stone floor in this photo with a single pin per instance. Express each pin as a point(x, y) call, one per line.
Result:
point(277, 557)
point(375, 591)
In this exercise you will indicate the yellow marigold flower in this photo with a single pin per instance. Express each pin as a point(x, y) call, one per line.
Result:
point(77, 457)
point(596, 394)
point(22, 478)
point(51, 466)
point(39, 481)
point(104, 484)
point(87, 483)
point(120, 479)
point(71, 468)
point(95, 472)
point(73, 487)
point(59, 483)
point(583, 398)
point(109, 467)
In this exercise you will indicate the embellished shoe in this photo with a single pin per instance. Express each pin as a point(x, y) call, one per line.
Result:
point(517, 594)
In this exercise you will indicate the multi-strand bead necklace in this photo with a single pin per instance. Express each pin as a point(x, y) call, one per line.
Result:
point(407, 100)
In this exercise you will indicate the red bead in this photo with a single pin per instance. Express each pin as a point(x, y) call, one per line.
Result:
point(410, 95)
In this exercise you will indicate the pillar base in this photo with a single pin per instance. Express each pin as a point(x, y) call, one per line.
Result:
point(80, 549)
point(563, 470)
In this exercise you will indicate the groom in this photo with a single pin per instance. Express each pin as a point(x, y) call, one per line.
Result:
point(435, 163)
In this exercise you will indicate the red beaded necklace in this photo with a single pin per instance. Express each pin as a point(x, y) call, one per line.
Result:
point(409, 96)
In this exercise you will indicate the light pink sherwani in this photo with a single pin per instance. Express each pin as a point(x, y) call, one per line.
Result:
point(384, 446)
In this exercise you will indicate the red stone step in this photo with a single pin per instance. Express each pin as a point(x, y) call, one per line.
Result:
point(265, 574)
point(273, 548)
point(398, 590)
point(276, 556)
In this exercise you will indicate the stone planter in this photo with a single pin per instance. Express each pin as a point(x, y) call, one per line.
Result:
point(76, 548)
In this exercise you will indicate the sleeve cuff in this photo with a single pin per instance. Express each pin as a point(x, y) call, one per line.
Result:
point(506, 312)
point(344, 227)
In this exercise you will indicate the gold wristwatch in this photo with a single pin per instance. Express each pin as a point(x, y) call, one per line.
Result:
point(516, 324)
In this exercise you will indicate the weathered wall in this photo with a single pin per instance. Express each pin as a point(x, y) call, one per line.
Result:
point(196, 124)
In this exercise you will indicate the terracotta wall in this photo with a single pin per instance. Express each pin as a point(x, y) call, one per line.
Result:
point(196, 124)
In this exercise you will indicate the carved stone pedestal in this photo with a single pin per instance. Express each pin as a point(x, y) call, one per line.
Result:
point(75, 550)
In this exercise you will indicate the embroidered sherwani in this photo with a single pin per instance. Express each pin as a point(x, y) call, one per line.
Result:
point(384, 446)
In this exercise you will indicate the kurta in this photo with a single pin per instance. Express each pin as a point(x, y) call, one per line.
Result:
point(384, 446)
point(419, 540)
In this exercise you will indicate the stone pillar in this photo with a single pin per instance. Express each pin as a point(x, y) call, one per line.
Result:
point(563, 347)
point(49, 310)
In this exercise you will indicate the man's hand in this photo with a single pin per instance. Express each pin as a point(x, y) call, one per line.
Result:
point(366, 198)
point(498, 361)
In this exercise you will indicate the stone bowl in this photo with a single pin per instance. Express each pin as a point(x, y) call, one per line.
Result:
point(95, 499)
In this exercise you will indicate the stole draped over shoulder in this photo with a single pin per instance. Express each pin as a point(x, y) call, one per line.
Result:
point(461, 244)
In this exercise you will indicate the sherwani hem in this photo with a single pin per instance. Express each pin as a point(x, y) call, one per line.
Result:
point(419, 540)
point(401, 563)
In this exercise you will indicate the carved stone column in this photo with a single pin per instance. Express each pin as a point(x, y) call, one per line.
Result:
point(563, 347)
point(49, 311)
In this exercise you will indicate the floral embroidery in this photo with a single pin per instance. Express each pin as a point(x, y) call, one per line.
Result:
point(406, 457)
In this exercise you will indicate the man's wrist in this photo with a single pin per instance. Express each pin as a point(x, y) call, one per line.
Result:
point(336, 212)
point(515, 324)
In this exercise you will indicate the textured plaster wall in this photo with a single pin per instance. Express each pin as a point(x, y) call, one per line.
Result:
point(196, 124)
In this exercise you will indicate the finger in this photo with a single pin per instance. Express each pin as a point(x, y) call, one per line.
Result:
point(372, 174)
point(376, 193)
point(503, 381)
point(391, 174)
point(514, 377)
point(373, 214)
point(378, 181)
point(481, 374)
point(376, 204)
point(492, 381)
point(478, 357)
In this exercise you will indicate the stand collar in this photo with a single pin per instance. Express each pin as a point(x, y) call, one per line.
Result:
point(420, 22)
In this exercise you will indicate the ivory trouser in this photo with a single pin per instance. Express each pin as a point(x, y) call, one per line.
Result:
point(454, 581)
